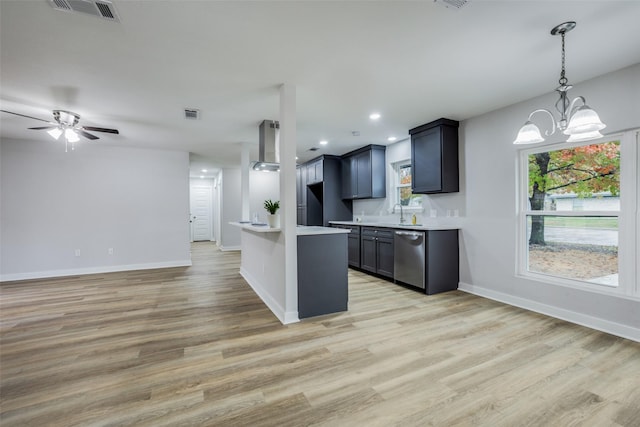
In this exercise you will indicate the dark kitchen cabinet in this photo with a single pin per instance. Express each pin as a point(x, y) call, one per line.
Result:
point(441, 261)
point(322, 274)
point(434, 157)
point(302, 215)
point(353, 244)
point(368, 252)
point(319, 192)
point(301, 194)
point(376, 250)
point(315, 171)
point(364, 173)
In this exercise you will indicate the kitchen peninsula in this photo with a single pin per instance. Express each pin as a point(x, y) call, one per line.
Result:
point(322, 269)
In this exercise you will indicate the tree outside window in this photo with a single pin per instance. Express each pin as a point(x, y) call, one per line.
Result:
point(403, 189)
point(573, 209)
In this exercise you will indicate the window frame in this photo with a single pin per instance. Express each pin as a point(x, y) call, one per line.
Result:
point(628, 217)
point(395, 167)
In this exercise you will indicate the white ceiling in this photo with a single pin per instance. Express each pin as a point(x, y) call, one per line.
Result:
point(412, 61)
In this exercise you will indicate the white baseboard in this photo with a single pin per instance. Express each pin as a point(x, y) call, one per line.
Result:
point(92, 270)
point(229, 248)
point(290, 317)
point(607, 326)
point(285, 317)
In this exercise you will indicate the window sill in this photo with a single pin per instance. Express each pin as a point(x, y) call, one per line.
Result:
point(603, 289)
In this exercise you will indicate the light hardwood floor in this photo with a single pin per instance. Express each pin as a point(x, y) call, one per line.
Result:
point(195, 346)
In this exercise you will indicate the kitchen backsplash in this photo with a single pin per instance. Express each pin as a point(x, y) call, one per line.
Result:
point(435, 210)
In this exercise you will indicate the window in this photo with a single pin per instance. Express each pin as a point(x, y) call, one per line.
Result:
point(574, 201)
point(403, 194)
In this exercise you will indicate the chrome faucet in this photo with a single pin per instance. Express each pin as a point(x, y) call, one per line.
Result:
point(401, 213)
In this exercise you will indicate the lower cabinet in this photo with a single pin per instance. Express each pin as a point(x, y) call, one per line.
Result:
point(354, 249)
point(371, 249)
point(353, 244)
point(376, 250)
point(322, 274)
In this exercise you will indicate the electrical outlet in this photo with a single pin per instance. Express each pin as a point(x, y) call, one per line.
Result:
point(110, 251)
point(77, 252)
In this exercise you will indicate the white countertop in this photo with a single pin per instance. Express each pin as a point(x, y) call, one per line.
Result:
point(408, 226)
point(258, 228)
point(301, 230)
point(304, 230)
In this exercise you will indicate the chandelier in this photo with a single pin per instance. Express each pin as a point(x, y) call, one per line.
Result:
point(579, 122)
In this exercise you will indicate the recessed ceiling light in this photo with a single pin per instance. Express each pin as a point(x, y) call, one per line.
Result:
point(204, 170)
point(374, 116)
point(201, 176)
point(324, 142)
point(391, 138)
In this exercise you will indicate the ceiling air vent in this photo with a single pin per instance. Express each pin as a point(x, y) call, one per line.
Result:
point(102, 9)
point(313, 149)
point(191, 114)
point(452, 4)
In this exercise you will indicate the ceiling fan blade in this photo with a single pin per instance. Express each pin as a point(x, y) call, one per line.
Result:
point(44, 127)
point(87, 135)
point(95, 129)
point(28, 117)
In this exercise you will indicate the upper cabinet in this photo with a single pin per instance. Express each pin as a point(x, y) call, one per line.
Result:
point(363, 173)
point(434, 157)
point(314, 171)
point(318, 192)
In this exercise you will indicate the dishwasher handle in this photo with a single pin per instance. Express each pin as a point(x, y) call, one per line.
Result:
point(408, 233)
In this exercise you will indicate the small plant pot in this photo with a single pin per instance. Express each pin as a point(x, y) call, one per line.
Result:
point(273, 220)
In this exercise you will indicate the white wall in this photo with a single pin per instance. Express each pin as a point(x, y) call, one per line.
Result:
point(230, 209)
point(488, 260)
point(262, 186)
point(135, 201)
point(217, 210)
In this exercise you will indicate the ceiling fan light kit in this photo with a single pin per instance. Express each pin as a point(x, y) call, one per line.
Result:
point(581, 123)
point(66, 123)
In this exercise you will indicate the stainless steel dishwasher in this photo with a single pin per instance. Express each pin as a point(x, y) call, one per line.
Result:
point(408, 257)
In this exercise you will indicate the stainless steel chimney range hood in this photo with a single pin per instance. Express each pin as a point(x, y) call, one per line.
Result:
point(269, 147)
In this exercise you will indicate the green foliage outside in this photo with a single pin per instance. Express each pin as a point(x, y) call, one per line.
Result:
point(406, 196)
point(581, 170)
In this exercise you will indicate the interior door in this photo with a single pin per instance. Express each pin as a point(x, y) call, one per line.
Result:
point(201, 213)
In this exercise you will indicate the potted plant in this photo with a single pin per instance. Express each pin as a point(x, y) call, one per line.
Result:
point(273, 219)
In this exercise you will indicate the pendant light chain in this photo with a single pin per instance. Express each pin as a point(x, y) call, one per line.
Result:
point(563, 80)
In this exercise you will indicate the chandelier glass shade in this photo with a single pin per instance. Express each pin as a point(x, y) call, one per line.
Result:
point(577, 119)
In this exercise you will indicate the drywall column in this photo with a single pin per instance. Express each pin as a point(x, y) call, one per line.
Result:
point(244, 180)
point(288, 207)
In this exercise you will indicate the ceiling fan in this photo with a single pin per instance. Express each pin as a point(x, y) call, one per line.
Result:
point(66, 122)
